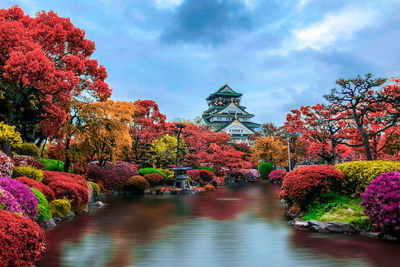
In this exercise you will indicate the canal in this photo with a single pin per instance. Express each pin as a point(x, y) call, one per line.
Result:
point(242, 226)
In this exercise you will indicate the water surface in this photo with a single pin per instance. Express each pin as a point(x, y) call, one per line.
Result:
point(231, 227)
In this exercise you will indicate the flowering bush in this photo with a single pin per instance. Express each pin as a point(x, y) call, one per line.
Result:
point(6, 165)
point(95, 188)
point(276, 176)
point(28, 171)
point(21, 160)
point(154, 178)
point(112, 176)
point(194, 175)
point(359, 174)
point(137, 184)
point(60, 207)
point(265, 168)
point(251, 175)
point(44, 189)
point(28, 149)
point(306, 184)
point(209, 188)
point(70, 186)
point(43, 206)
point(382, 201)
point(206, 177)
point(151, 170)
point(8, 202)
point(23, 194)
point(21, 240)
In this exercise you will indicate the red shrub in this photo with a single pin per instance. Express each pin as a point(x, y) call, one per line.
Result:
point(194, 175)
point(112, 177)
point(206, 177)
point(22, 160)
point(44, 189)
point(154, 178)
point(276, 176)
point(304, 185)
point(68, 185)
point(21, 240)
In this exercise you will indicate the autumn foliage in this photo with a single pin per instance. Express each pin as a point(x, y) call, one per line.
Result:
point(44, 189)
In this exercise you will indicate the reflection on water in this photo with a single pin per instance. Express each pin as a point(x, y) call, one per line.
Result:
point(230, 227)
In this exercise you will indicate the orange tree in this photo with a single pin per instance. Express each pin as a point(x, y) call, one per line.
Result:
point(270, 149)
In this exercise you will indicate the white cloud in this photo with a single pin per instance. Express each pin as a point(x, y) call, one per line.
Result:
point(332, 28)
point(168, 3)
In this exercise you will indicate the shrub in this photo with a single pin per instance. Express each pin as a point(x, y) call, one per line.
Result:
point(206, 168)
point(44, 189)
point(23, 194)
point(6, 165)
point(28, 171)
point(28, 149)
point(137, 184)
point(382, 202)
point(95, 188)
point(60, 207)
point(206, 177)
point(169, 181)
point(194, 175)
point(209, 188)
point(43, 206)
point(252, 175)
point(154, 178)
point(70, 186)
point(21, 240)
point(276, 176)
point(306, 184)
point(151, 170)
point(54, 165)
point(265, 168)
point(168, 172)
point(359, 174)
point(20, 160)
point(112, 176)
point(9, 203)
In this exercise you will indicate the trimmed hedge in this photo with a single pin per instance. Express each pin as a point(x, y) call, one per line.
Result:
point(265, 168)
point(95, 188)
point(43, 206)
point(154, 178)
point(28, 171)
point(137, 184)
point(145, 171)
point(28, 149)
point(206, 168)
point(54, 165)
point(60, 207)
point(359, 174)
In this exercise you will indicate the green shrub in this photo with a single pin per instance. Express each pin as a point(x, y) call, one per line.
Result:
point(151, 170)
point(359, 174)
point(206, 168)
point(54, 165)
point(334, 207)
point(137, 184)
point(43, 206)
point(61, 207)
point(95, 188)
point(28, 149)
point(28, 171)
point(265, 168)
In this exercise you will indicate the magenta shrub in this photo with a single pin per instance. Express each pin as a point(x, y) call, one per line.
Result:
point(252, 175)
point(276, 176)
point(23, 194)
point(382, 202)
point(6, 165)
point(8, 202)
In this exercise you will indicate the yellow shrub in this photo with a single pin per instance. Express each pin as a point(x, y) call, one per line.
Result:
point(95, 188)
point(61, 207)
point(168, 172)
point(359, 174)
point(28, 171)
point(8, 133)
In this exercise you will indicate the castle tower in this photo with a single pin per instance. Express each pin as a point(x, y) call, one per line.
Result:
point(225, 114)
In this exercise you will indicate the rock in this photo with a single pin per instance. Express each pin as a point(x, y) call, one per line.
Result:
point(101, 197)
point(69, 216)
point(99, 204)
point(57, 219)
point(147, 191)
point(85, 210)
point(300, 224)
point(389, 238)
point(167, 192)
point(349, 210)
point(48, 224)
point(331, 227)
point(370, 234)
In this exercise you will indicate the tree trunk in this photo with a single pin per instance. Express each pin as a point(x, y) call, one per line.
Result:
point(6, 147)
point(67, 162)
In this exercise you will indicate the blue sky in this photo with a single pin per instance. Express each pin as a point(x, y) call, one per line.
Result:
point(279, 54)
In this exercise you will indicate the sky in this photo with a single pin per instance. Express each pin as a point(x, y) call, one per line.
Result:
point(279, 54)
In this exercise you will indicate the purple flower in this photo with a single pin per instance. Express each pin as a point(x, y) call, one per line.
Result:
point(8, 203)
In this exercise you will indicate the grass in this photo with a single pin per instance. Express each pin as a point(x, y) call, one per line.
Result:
point(334, 207)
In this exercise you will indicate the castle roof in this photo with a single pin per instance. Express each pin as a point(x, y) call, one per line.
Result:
point(225, 91)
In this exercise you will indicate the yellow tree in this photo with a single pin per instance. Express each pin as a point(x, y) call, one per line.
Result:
point(104, 128)
point(164, 149)
point(270, 149)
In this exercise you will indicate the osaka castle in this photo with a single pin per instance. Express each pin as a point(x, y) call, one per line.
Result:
point(225, 114)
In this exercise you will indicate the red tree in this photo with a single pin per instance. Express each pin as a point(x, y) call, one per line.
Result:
point(44, 63)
